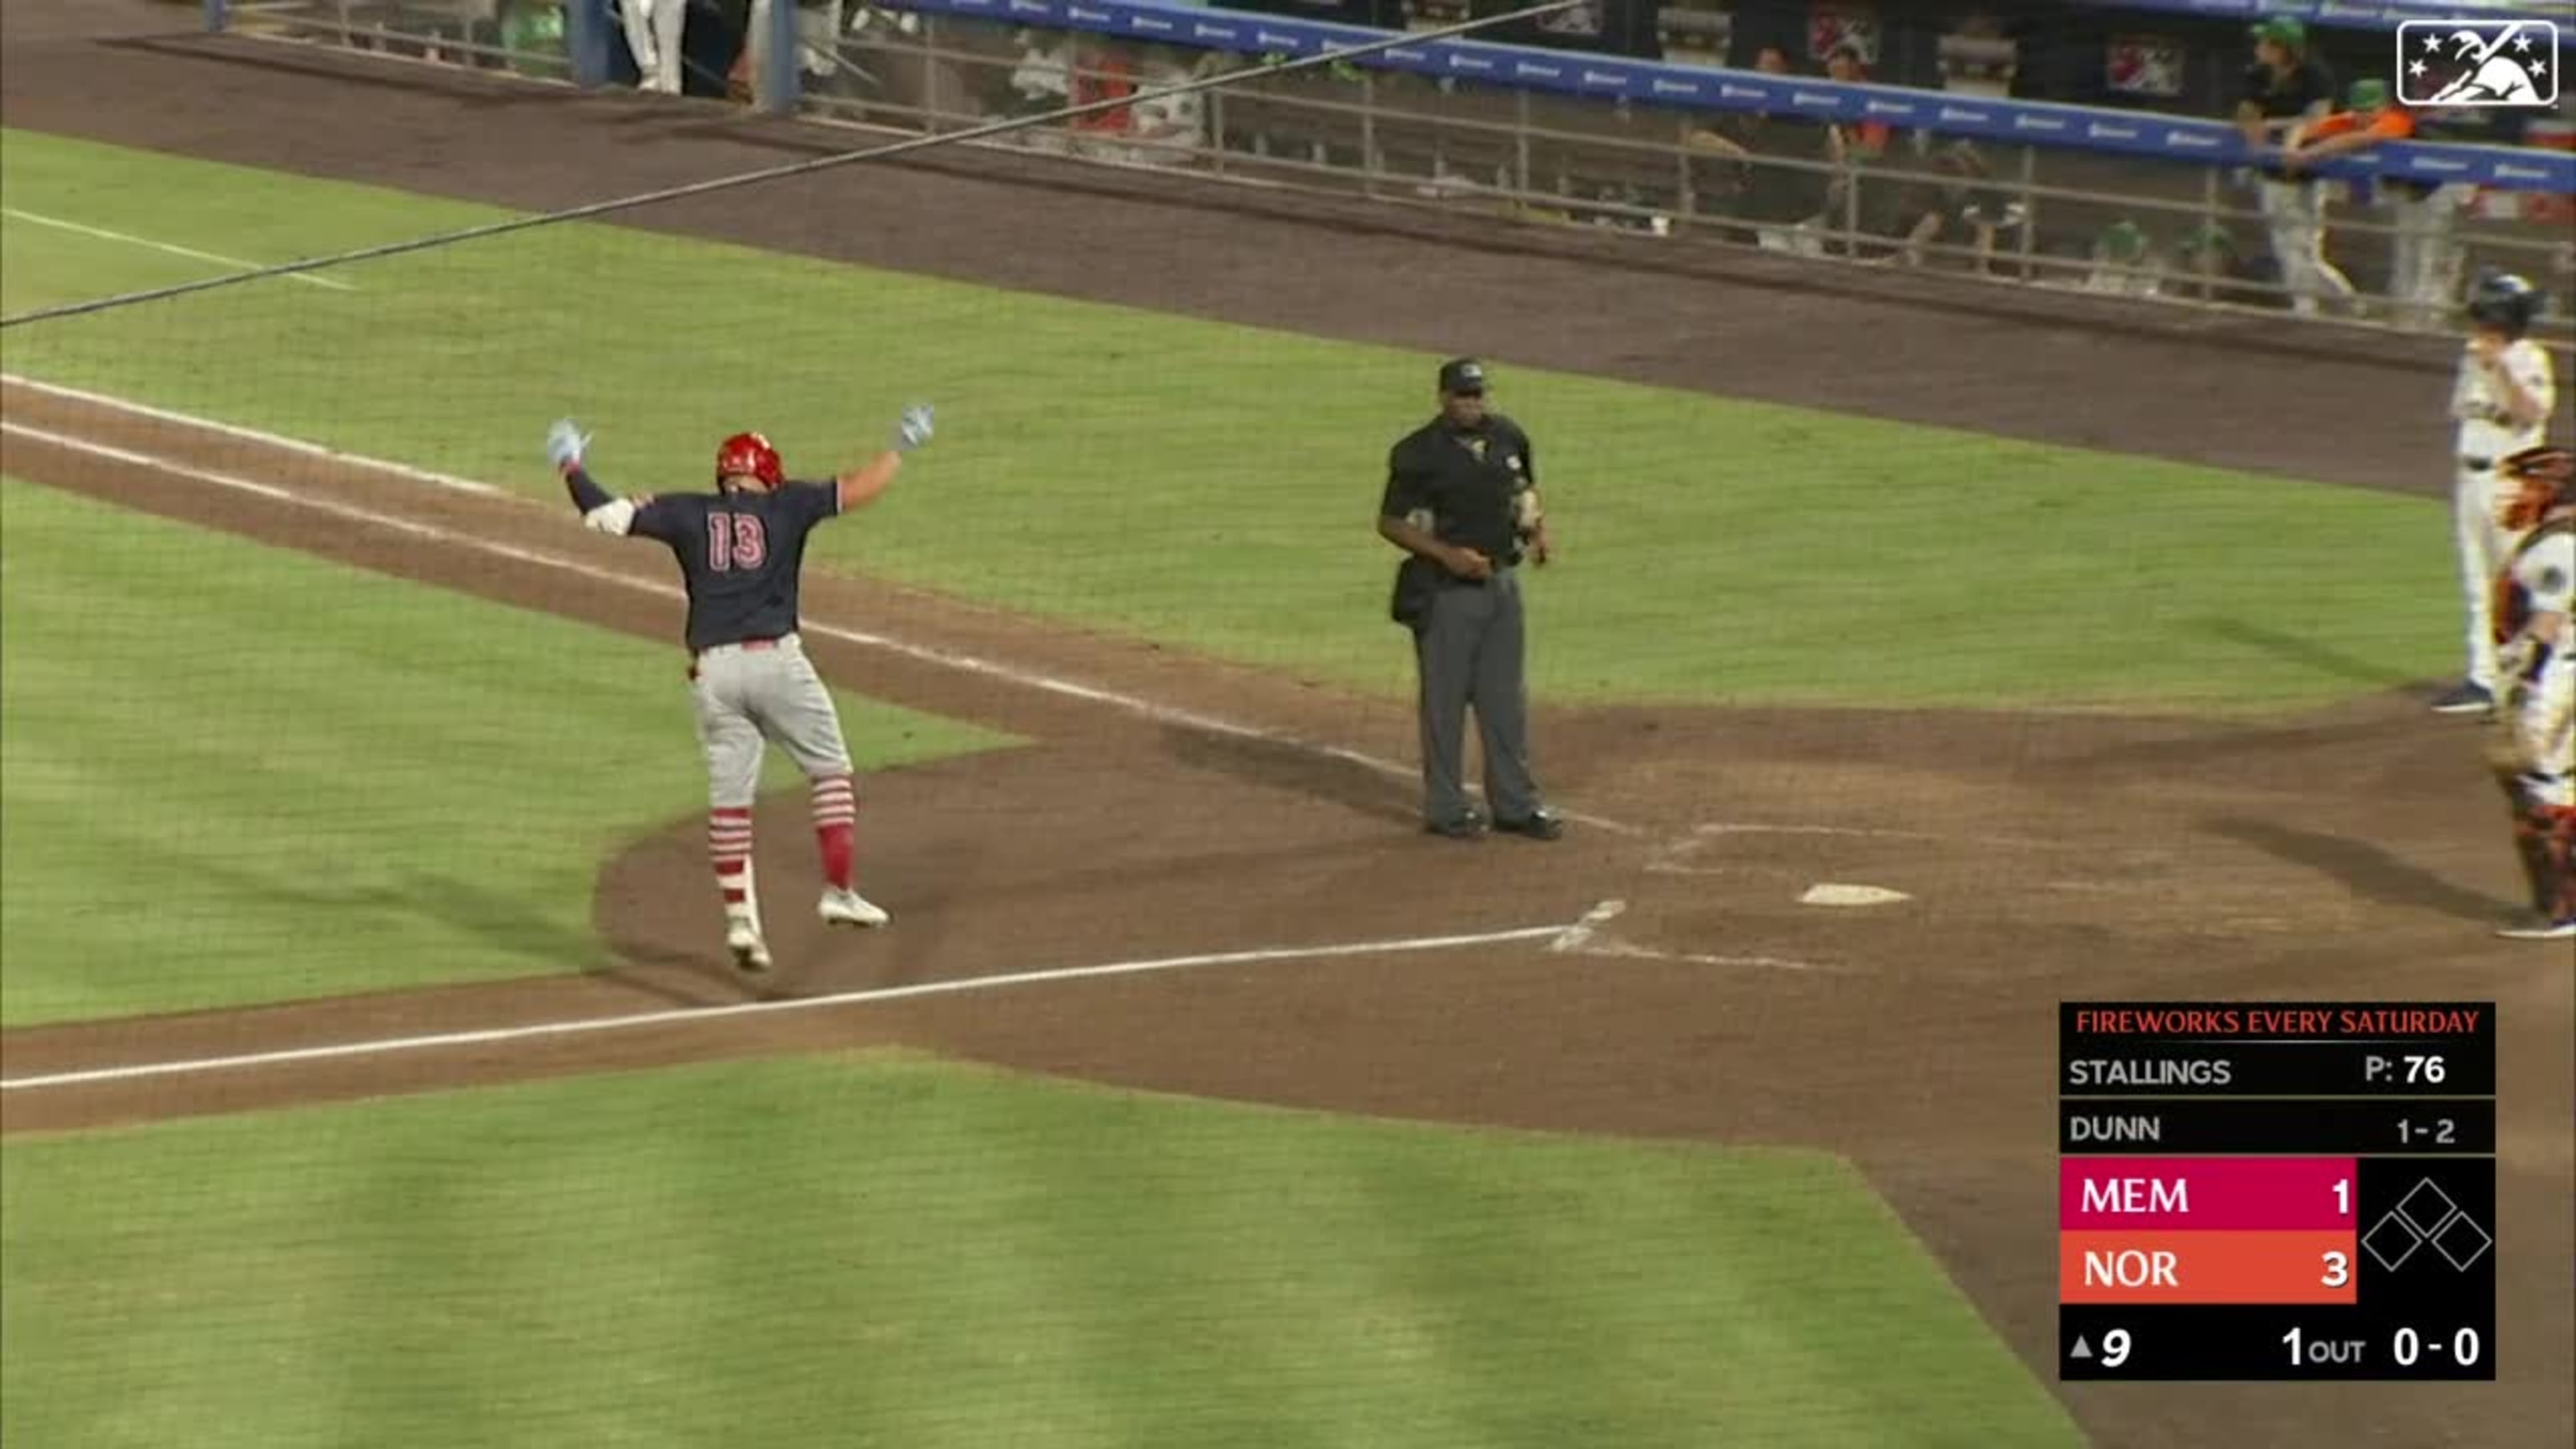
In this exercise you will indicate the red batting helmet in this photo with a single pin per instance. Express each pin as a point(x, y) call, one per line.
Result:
point(748, 455)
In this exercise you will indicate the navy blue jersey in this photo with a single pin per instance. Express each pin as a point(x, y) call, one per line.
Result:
point(740, 552)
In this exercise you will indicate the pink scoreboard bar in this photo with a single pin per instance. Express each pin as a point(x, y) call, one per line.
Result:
point(2213, 1193)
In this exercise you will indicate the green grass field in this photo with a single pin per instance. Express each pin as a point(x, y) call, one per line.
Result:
point(880, 1251)
point(237, 773)
point(1213, 485)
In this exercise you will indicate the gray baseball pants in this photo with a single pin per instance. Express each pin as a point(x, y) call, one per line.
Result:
point(1469, 652)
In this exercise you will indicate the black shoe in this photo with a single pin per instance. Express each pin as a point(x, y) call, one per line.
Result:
point(1538, 825)
point(2465, 698)
point(1465, 827)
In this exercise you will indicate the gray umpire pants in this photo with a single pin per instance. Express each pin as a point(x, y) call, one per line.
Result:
point(1470, 654)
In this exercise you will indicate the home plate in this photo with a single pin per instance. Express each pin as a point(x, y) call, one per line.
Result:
point(1827, 893)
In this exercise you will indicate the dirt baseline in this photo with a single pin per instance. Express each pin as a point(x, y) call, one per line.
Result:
point(2354, 854)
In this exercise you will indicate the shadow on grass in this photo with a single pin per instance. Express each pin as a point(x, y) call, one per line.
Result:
point(2313, 655)
point(509, 926)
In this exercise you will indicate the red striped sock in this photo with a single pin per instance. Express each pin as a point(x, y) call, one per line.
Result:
point(836, 827)
point(729, 847)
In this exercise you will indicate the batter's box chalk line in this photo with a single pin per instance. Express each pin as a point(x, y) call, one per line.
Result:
point(1587, 938)
point(1700, 837)
point(1837, 893)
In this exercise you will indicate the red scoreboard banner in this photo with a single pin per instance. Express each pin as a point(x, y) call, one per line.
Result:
point(2276, 1190)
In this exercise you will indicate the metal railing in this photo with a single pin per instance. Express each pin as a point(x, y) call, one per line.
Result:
point(2047, 217)
point(2112, 225)
point(523, 37)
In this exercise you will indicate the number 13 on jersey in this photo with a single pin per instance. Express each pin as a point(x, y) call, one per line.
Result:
point(736, 541)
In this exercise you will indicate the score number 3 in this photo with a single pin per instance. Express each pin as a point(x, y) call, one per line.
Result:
point(2339, 1265)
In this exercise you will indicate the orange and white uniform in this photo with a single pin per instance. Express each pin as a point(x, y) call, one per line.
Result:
point(2538, 693)
point(2484, 437)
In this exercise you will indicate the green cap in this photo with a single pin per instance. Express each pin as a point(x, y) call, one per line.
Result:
point(2366, 95)
point(2283, 30)
point(2210, 237)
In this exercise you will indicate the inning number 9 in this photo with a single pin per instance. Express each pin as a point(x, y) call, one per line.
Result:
point(2115, 1348)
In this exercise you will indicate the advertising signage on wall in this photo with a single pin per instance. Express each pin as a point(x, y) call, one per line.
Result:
point(1612, 77)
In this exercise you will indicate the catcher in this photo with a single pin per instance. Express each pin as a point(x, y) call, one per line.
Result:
point(2533, 752)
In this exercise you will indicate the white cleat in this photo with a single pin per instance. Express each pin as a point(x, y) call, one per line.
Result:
point(2562, 929)
point(841, 907)
point(750, 953)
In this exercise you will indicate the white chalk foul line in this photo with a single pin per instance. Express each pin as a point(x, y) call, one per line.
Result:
point(250, 435)
point(586, 1026)
point(947, 659)
point(173, 248)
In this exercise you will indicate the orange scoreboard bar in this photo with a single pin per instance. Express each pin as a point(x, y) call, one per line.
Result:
point(2276, 1190)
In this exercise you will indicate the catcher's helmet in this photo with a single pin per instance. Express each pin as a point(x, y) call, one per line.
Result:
point(2504, 301)
point(748, 455)
point(2537, 480)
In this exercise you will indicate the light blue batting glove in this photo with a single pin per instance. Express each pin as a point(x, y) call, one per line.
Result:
point(565, 444)
point(914, 430)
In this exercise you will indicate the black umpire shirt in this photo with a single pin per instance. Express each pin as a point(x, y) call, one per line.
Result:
point(2286, 98)
point(1465, 478)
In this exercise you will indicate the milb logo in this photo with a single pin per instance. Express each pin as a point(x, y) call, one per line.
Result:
point(2477, 63)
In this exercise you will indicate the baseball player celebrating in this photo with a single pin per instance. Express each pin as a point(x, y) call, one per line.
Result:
point(2535, 758)
point(741, 549)
point(2500, 402)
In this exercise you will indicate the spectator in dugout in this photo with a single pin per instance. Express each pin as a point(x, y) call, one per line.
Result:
point(818, 25)
point(2214, 270)
point(2125, 263)
point(2285, 90)
point(1043, 79)
point(1952, 201)
point(1748, 176)
point(2424, 261)
point(1866, 141)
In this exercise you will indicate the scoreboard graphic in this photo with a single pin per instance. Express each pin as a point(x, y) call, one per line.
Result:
point(2276, 1190)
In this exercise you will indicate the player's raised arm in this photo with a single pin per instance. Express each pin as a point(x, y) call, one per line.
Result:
point(565, 444)
point(860, 486)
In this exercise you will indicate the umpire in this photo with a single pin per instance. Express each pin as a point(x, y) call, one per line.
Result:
point(1462, 501)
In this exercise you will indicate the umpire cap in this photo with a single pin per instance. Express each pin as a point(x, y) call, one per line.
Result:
point(1462, 377)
